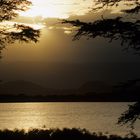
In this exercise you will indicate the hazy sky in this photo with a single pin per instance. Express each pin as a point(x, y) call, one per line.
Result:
point(56, 60)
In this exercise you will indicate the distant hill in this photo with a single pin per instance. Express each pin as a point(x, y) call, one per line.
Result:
point(95, 86)
point(26, 91)
point(30, 88)
point(21, 87)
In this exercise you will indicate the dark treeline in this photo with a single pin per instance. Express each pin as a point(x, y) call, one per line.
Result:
point(57, 134)
point(88, 97)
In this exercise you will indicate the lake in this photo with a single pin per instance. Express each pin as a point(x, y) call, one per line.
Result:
point(92, 116)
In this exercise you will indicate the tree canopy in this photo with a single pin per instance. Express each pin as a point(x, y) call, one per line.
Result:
point(9, 9)
point(133, 6)
point(123, 28)
point(131, 115)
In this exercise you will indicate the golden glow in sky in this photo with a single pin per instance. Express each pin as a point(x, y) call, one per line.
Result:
point(58, 8)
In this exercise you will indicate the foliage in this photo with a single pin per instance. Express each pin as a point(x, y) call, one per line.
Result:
point(131, 115)
point(127, 30)
point(113, 29)
point(9, 9)
point(134, 4)
point(57, 134)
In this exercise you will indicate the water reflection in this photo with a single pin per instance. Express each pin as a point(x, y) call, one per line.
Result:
point(93, 116)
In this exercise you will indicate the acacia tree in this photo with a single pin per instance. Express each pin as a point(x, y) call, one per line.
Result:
point(125, 28)
point(9, 9)
point(131, 115)
point(122, 28)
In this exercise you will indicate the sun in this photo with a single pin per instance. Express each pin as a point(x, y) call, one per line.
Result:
point(57, 8)
point(44, 12)
point(45, 9)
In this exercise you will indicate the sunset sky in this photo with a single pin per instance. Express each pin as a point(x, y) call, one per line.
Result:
point(58, 8)
point(56, 60)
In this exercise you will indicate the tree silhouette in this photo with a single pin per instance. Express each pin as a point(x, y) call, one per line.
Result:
point(125, 28)
point(9, 9)
point(131, 115)
point(113, 29)
point(133, 6)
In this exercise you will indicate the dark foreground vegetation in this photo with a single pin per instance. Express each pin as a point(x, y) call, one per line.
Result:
point(57, 134)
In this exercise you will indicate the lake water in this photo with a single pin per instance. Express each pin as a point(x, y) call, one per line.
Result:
point(92, 116)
